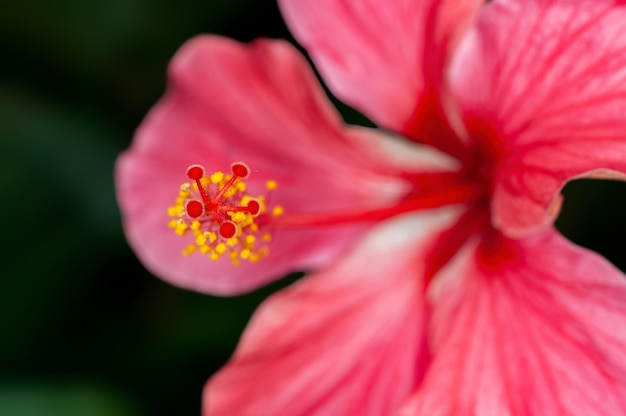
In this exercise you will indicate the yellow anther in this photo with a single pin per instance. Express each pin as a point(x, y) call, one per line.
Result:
point(250, 239)
point(232, 242)
point(241, 186)
point(254, 228)
point(238, 217)
point(200, 239)
point(217, 177)
point(267, 237)
point(211, 236)
point(245, 253)
point(172, 212)
point(271, 185)
point(180, 228)
point(172, 224)
point(189, 250)
point(195, 225)
point(278, 211)
point(231, 192)
point(220, 248)
point(214, 256)
point(205, 249)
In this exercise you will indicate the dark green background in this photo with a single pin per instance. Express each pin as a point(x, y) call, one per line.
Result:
point(84, 329)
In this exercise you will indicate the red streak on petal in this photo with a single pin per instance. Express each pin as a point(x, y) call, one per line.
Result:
point(460, 193)
point(496, 252)
point(451, 240)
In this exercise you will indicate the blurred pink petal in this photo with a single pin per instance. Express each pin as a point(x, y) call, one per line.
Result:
point(344, 341)
point(550, 76)
point(527, 327)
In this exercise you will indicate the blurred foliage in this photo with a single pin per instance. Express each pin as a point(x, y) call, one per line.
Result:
point(85, 329)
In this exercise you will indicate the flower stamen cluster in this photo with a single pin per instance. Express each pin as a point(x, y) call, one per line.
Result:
point(216, 210)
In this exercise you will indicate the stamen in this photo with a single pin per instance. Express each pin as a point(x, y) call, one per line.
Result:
point(220, 215)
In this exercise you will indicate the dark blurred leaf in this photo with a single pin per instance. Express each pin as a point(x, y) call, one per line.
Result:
point(62, 399)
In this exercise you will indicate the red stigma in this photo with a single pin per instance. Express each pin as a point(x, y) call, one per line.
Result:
point(195, 172)
point(194, 208)
point(240, 169)
point(228, 229)
point(254, 207)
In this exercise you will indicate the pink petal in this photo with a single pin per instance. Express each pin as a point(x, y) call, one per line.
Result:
point(260, 104)
point(527, 327)
point(380, 55)
point(549, 78)
point(347, 341)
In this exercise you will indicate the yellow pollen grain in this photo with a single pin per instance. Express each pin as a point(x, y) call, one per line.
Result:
point(217, 177)
point(230, 192)
point(214, 256)
point(271, 185)
point(250, 239)
point(238, 217)
point(201, 240)
point(172, 224)
point(220, 248)
point(245, 253)
point(172, 212)
point(195, 225)
point(181, 228)
point(205, 249)
point(211, 236)
point(189, 250)
point(205, 181)
point(254, 227)
point(267, 237)
point(278, 211)
point(232, 242)
point(241, 186)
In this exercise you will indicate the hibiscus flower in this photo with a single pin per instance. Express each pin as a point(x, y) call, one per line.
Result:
point(437, 283)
